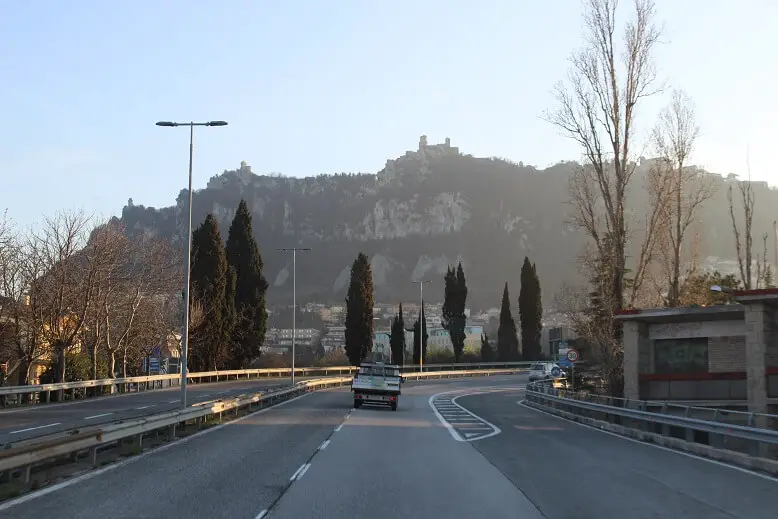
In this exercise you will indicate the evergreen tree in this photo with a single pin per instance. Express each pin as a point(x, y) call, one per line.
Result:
point(454, 304)
point(530, 311)
point(359, 311)
point(487, 354)
point(397, 338)
point(507, 340)
point(250, 290)
point(210, 279)
point(417, 334)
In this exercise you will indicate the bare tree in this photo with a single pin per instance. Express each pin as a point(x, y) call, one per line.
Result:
point(137, 273)
point(597, 109)
point(686, 188)
point(64, 292)
point(764, 272)
point(601, 335)
point(743, 236)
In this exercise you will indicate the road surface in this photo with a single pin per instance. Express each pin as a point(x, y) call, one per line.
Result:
point(316, 457)
point(34, 421)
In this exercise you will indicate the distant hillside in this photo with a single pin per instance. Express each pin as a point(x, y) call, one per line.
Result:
point(424, 210)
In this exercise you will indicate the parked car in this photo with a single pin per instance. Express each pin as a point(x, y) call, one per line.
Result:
point(545, 371)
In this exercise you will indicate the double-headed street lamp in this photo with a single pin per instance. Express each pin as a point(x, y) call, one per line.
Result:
point(422, 326)
point(294, 296)
point(185, 334)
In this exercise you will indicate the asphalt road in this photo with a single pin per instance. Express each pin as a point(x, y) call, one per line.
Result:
point(571, 471)
point(316, 457)
point(31, 422)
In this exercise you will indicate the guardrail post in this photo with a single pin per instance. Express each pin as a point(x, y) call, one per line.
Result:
point(93, 457)
point(138, 442)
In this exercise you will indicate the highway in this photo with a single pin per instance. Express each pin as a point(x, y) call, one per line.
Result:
point(42, 419)
point(456, 449)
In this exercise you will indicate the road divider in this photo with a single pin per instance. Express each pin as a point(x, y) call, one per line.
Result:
point(19, 459)
point(41, 393)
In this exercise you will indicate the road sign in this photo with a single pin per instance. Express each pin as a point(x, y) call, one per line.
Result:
point(555, 371)
point(572, 355)
point(156, 351)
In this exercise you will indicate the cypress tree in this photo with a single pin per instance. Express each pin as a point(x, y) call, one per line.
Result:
point(210, 279)
point(359, 311)
point(530, 311)
point(507, 340)
point(460, 322)
point(250, 290)
point(397, 338)
point(419, 334)
point(454, 304)
point(487, 354)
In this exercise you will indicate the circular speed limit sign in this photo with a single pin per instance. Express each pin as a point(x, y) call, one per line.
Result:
point(572, 355)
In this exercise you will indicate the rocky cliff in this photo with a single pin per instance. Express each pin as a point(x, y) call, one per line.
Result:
point(424, 210)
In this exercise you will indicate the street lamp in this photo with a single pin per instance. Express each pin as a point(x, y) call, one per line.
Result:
point(294, 295)
point(422, 326)
point(185, 334)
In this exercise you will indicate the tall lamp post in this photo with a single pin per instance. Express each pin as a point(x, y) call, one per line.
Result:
point(185, 334)
point(422, 325)
point(294, 296)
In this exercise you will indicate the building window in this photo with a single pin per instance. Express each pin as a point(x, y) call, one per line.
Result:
point(681, 355)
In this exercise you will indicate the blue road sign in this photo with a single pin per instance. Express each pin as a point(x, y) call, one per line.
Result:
point(555, 371)
point(565, 363)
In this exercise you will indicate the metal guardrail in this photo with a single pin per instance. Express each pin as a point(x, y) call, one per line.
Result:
point(26, 454)
point(753, 433)
point(43, 391)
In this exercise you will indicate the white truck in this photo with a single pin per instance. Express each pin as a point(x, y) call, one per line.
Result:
point(376, 383)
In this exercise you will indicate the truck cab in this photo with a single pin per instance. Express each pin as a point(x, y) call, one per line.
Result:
point(376, 383)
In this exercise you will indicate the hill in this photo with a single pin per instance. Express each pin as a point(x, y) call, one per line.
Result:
point(427, 209)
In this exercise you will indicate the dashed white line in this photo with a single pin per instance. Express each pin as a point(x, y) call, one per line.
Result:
point(297, 472)
point(145, 406)
point(324, 445)
point(338, 428)
point(302, 472)
point(34, 428)
point(97, 416)
point(173, 401)
point(261, 514)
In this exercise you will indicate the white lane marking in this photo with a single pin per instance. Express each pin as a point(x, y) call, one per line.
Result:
point(297, 472)
point(302, 472)
point(655, 446)
point(324, 445)
point(5, 505)
point(145, 406)
point(97, 416)
point(338, 428)
point(261, 514)
point(32, 429)
point(450, 426)
point(173, 401)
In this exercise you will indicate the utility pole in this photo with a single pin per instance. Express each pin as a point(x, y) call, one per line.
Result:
point(422, 325)
point(294, 297)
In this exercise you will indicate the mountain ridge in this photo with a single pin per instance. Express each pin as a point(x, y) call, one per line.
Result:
point(426, 209)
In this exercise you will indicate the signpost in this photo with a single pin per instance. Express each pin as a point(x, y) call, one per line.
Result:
point(572, 357)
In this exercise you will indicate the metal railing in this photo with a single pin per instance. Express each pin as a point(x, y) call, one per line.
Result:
point(41, 393)
point(753, 434)
point(25, 455)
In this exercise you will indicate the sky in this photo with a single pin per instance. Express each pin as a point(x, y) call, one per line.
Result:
point(328, 86)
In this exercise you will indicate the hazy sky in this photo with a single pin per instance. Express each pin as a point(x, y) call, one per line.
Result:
point(324, 86)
